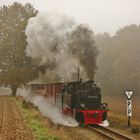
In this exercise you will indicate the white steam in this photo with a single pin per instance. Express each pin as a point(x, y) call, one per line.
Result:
point(47, 109)
point(58, 43)
point(47, 38)
point(44, 33)
point(104, 123)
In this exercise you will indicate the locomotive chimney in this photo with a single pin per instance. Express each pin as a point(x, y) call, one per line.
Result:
point(78, 74)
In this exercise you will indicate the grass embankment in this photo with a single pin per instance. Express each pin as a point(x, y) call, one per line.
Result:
point(115, 118)
point(120, 123)
point(39, 131)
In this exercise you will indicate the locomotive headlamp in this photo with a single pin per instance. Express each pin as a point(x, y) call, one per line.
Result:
point(104, 106)
point(82, 105)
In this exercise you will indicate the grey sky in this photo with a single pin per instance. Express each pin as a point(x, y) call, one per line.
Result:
point(101, 15)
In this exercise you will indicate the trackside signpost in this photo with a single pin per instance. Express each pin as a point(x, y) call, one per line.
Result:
point(129, 105)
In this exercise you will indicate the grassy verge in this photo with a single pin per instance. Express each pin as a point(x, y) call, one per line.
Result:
point(39, 131)
point(119, 123)
point(123, 120)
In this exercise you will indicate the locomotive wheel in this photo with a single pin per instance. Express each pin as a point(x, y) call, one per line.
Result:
point(79, 116)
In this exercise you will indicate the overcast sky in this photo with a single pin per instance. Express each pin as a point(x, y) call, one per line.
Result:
point(101, 15)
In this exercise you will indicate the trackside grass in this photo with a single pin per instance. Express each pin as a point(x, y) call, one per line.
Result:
point(119, 123)
point(39, 131)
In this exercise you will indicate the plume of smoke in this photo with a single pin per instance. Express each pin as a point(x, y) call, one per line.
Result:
point(82, 46)
point(57, 42)
point(47, 109)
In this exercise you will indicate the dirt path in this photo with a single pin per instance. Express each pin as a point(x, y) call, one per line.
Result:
point(12, 126)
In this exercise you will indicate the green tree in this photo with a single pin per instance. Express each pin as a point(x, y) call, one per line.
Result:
point(16, 68)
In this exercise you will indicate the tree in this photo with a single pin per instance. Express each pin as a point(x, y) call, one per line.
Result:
point(118, 62)
point(16, 68)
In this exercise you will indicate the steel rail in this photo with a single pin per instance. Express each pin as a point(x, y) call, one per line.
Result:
point(108, 133)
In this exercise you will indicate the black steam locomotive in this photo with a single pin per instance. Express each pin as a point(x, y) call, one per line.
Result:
point(83, 99)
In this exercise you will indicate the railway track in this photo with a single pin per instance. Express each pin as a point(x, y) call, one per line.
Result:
point(108, 133)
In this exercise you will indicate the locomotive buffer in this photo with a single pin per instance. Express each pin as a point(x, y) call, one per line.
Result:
point(129, 105)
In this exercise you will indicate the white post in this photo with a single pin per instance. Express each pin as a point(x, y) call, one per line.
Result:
point(129, 106)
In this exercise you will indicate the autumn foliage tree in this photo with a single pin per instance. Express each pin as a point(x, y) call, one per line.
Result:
point(16, 68)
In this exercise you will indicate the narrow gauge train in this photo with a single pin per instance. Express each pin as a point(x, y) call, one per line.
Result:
point(80, 99)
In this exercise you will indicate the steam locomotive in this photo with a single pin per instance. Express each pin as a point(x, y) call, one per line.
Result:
point(80, 99)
